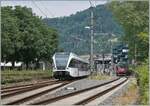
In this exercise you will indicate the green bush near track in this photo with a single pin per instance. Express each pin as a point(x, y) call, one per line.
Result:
point(143, 82)
point(14, 76)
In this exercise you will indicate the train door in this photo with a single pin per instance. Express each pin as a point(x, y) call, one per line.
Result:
point(74, 68)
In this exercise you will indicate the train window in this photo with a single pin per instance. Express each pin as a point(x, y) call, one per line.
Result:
point(61, 61)
point(84, 66)
point(73, 63)
point(78, 64)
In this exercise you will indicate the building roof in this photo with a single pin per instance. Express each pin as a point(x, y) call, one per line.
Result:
point(9, 64)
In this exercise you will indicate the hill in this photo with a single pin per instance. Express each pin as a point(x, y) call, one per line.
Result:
point(72, 27)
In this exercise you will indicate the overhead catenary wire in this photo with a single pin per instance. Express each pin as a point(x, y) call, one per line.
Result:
point(95, 3)
point(13, 2)
point(91, 3)
point(39, 8)
point(48, 11)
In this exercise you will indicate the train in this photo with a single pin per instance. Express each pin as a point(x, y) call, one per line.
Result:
point(121, 68)
point(69, 65)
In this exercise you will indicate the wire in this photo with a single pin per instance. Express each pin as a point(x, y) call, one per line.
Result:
point(39, 8)
point(95, 3)
point(49, 12)
point(91, 3)
point(14, 2)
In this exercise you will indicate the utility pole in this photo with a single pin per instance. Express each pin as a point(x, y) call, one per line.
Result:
point(92, 35)
point(135, 55)
point(103, 56)
point(111, 52)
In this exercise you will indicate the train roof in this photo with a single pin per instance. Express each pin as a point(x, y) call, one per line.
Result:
point(72, 55)
point(62, 53)
point(78, 58)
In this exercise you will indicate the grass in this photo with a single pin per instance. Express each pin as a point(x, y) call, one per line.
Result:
point(99, 77)
point(143, 81)
point(14, 76)
point(142, 75)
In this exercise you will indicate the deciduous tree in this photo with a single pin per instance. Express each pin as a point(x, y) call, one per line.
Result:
point(25, 37)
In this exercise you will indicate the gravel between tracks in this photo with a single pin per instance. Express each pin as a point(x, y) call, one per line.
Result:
point(78, 85)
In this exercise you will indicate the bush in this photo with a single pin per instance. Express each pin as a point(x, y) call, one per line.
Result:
point(143, 81)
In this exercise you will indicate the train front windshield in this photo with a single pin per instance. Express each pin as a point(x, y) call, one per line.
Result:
point(61, 61)
point(122, 65)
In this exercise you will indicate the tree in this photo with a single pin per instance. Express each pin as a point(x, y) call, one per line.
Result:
point(26, 37)
point(143, 46)
point(134, 17)
point(11, 41)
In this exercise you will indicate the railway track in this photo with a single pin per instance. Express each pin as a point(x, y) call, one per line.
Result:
point(23, 85)
point(84, 96)
point(81, 97)
point(25, 96)
point(21, 89)
point(99, 94)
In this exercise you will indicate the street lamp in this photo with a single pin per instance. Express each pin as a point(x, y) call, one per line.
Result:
point(91, 48)
point(92, 34)
point(87, 27)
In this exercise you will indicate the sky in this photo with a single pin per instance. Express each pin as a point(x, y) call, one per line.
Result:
point(51, 9)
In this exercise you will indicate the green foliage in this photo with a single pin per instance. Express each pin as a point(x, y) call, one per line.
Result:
point(143, 78)
point(10, 35)
point(134, 17)
point(13, 76)
point(143, 46)
point(73, 27)
point(25, 37)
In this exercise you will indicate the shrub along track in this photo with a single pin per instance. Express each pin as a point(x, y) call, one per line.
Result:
point(55, 100)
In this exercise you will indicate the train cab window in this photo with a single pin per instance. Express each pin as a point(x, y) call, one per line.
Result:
point(73, 63)
point(61, 61)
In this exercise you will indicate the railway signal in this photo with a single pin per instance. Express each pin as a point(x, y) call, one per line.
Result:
point(120, 53)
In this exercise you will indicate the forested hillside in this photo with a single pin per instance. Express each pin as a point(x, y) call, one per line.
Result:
point(73, 27)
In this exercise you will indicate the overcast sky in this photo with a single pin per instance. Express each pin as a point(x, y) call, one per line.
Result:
point(54, 8)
